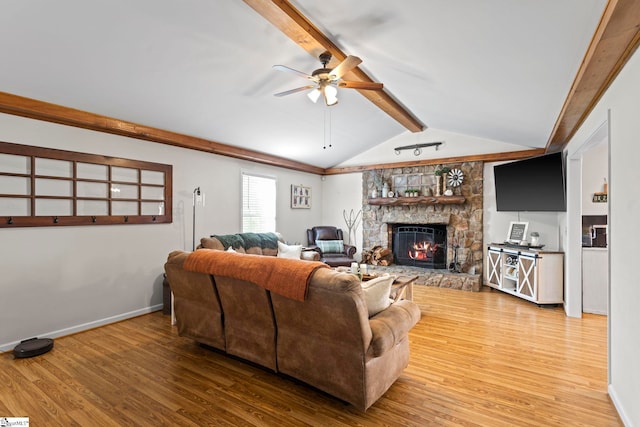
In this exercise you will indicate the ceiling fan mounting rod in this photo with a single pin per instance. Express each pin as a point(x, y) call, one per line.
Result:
point(325, 57)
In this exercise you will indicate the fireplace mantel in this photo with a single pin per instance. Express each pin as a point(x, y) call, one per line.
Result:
point(420, 200)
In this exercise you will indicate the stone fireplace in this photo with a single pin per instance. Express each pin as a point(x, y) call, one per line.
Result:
point(458, 224)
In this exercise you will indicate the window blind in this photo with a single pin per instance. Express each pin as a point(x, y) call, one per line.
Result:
point(258, 203)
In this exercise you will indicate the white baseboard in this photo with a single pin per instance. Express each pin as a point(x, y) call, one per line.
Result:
point(618, 405)
point(86, 326)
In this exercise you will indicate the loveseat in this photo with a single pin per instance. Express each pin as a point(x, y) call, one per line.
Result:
point(319, 333)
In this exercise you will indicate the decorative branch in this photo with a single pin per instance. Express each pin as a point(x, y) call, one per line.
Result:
point(352, 221)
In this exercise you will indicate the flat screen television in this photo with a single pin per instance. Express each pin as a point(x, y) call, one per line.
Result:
point(533, 184)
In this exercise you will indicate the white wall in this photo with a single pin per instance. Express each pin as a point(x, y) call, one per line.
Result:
point(454, 144)
point(343, 193)
point(622, 100)
point(571, 238)
point(58, 280)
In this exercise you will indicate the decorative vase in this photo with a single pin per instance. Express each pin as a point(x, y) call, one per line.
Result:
point(438, 185)
point(385, 190)
point(374, 193)
point(535, 236)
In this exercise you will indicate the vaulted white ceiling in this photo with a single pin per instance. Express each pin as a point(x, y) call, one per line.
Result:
point(494, 70)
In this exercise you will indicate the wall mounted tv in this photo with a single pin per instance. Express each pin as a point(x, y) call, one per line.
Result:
point(533, 184)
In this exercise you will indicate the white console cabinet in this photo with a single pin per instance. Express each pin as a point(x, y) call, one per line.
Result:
point(533, 274)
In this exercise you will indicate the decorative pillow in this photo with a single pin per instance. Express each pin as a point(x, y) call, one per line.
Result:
point(376, 293)
point(289, 251)
point(330, 246)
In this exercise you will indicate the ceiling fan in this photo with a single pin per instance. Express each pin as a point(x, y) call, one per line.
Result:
point(326, 79)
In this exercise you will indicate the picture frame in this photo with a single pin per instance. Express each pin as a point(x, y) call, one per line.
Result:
point(599, 198)
point(517, 232)
point(300, 197)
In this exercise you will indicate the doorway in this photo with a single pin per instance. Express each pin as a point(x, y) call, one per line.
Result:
point(583, 181)
point(595, 258)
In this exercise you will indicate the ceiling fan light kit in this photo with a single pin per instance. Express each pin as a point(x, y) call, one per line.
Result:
point(330, 95)
point(328, 79)
point(314, 94)
point(329, 92)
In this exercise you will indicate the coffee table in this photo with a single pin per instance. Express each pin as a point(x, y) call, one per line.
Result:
point(402, 288)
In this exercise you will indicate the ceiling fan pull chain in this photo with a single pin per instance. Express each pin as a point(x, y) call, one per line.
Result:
point(330, 129)
point(327, 127)
point(324, 128)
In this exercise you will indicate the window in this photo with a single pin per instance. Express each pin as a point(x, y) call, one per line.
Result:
point(258, 203)
point(48, 187)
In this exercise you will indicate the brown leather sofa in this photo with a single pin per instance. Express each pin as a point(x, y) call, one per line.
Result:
point(326, 340)
point(336, 257)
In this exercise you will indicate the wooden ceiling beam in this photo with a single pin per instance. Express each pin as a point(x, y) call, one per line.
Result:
point(491, 157)
point(39, 110)
point(305, 34)
point(615, 40)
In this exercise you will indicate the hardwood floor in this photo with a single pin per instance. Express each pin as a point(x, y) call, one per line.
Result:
point(477, 359)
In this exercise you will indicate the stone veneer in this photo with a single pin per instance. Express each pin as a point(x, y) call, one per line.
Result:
point(464, 222)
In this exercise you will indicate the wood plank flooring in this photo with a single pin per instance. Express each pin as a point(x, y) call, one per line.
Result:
point(477, 359)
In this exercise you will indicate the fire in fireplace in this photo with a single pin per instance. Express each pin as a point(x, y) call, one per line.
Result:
point(420, 245)
point(422, 250)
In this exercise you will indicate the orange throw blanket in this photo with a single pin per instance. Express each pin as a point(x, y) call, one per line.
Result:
point(284, 276)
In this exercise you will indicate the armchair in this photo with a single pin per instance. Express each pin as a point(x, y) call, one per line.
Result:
point(329, 243)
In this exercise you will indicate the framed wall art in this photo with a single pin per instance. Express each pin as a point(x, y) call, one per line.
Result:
point(300, 197)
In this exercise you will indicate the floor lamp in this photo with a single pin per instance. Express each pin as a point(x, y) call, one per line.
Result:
point(198, 199)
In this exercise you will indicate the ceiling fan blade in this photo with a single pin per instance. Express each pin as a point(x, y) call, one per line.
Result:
point(361, 85)
point(289, 92)
point(291, 70)
point(344, 67)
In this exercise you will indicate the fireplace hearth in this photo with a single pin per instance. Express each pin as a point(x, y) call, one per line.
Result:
point(420, 245)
